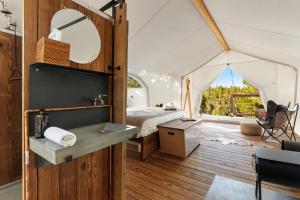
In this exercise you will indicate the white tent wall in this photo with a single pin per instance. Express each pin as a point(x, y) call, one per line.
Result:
point(162, 88)
point(137, 97)
point(286, 85)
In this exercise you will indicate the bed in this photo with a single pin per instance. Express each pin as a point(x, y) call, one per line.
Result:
point(147, 120)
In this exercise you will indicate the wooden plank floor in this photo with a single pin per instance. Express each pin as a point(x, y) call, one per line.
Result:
point(163, 176)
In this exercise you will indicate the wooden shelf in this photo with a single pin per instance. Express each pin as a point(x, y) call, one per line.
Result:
point(89, 139)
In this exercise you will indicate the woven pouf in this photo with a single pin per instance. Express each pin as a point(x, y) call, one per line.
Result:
point(250, 128)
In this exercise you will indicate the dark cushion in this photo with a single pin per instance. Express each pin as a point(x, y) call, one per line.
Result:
point(290, 145)
point(278, 172)
point(278, 166)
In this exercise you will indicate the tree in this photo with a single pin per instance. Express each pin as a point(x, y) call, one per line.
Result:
point(216, 100)
point(203, 104)
point(132, 83)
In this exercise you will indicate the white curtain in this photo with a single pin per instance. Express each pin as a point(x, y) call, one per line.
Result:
point(274, 81)
point(200, 81)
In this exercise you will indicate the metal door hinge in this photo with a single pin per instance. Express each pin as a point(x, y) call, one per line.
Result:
point(26, 157)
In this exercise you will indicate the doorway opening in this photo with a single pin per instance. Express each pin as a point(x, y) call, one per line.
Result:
point(231, 95)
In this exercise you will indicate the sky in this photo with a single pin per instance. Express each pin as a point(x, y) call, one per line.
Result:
point(226, 80)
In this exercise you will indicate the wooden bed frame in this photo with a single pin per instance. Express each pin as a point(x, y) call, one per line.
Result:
point(149, 145)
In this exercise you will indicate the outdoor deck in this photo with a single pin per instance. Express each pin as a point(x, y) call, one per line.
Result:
point(163, 176)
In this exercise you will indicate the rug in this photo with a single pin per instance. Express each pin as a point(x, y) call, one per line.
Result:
point(231, 134)
point(228, 189)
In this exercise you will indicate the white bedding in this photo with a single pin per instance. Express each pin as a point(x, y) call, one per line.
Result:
point(150, 125)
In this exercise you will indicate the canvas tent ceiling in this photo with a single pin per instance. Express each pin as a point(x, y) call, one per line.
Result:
point(168, 36)
point(171, 37)
point(264, 28)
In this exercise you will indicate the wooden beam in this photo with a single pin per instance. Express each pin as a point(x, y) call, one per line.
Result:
point(211, 23)
point(119, 100)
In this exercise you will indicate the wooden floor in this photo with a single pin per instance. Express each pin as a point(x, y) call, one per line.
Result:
point(163, 176)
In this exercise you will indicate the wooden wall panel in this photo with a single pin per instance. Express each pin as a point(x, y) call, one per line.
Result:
point(5, 70)
point(84, 179)
point(16, 117)
point(68, 181)
point(10, 112)
point(48, 183)
point(88, 177)
point(97, 175)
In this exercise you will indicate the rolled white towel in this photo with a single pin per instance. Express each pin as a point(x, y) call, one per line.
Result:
point(55, 35)
point(60, 136)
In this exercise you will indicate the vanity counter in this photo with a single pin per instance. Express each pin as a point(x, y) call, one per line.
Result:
point(89, 139)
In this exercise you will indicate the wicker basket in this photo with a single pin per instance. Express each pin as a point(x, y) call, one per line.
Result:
point(53, 52)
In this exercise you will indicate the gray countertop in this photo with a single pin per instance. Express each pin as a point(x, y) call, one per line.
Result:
point(89, 139)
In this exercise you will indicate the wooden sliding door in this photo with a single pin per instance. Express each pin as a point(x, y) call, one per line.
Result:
point(10, 108)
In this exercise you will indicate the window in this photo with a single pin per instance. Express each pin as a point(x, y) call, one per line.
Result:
point(137, 92)
point(133, 83)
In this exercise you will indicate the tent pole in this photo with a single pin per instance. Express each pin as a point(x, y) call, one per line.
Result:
point(181, 79)
point(202, 9)
point(187, 99)
point(296, 86)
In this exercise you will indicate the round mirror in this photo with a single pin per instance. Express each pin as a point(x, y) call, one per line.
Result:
point(73, 27)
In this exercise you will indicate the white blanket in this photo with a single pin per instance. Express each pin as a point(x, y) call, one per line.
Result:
point(149, 126)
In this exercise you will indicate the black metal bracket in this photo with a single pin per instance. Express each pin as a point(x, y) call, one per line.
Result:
point(68, 158)
point(111, 4)
point(72, 23)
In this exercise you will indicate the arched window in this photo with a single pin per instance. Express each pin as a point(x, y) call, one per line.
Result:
point(137, 92)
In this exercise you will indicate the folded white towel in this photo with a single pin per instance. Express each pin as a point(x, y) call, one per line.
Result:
point(60, 136)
